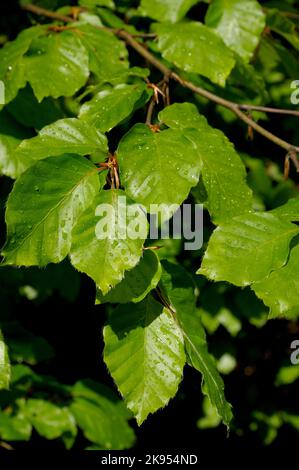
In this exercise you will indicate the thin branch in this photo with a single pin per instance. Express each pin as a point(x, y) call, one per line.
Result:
point(144, 35)
point(150, 111)
point(234, 107)
point(292, 154)
point(47, 13)
point(290, 14)
point(266, 109)
point(138, 47)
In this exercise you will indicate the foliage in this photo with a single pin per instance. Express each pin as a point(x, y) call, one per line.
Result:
point(122, 100)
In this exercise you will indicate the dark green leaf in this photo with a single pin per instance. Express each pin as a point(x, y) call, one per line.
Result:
point(137, 282)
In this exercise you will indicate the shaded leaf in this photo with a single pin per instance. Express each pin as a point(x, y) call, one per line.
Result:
point(14, 427)
point(11, 135)
point(25, 346)
point(30, 113)
point(137, 282)
point(179, 289)
point(49, 420)
point(101, 416)
point(283, 26)
point(111, 106)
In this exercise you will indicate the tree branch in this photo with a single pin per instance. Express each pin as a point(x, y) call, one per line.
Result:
point(266, 109)
point(47, 13)
point(236, 108)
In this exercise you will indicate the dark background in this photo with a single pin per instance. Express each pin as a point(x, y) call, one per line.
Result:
point(74, 330)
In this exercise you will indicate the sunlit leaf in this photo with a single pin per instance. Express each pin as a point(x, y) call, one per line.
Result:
point(43, 207)
point(193, 47)
point(145, 355)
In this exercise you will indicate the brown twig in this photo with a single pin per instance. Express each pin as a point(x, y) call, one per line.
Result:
point(236, 108)
point(47, 13)
point(292, 153)
point(150, 111)
point(112, 166)
point(144, 35)
point(290, 14)
point(286, 167)
point(6, 445)
point(154, 100)
point(266, 109)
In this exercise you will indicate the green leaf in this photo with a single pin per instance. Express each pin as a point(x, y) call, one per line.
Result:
point(56, 65)
point(30, 113)
point(11, 135)
point(248, 248)
point(137, 282)
point(245, 79)
point(280, 290)
point(216, 311)
point(287, 375)
point(49, 420)
point(197, 349)
point(193, 47)
point(101, 416)
point(96, 3)
point(4, 364)
point(102, 425)
point(45, 203)
point(180, 292)
point(25, 346)
point(166, 10)
point(283, 26)
point(293, 420)
point(289, 211)
point(14, 427)
point(107, 54)
point(111, 106)
point(64, 136)
point(239, 23)
point(144, 353)
point(12, 71)
point(104, 244)
point(105, 397)
point(210, 418)
point(157, 168)
point(223, 173)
